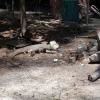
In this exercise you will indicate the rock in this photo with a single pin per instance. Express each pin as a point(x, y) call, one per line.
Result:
point(55, 60)
point(54, 45)
point(95, 58)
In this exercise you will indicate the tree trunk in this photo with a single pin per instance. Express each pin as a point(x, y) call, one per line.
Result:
point(23, 17)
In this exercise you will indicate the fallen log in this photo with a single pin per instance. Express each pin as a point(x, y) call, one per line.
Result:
point(94, 76)
point(32, 48)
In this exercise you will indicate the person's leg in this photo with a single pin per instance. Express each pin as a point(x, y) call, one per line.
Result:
point(83, 6)
point(55, 8)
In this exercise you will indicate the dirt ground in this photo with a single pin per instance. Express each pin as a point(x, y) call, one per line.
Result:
point(47, 77)
point(47, 80)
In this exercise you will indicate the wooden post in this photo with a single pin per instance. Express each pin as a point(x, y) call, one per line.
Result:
point(6, 4)
point(87, 12)
point(12, 7)
point(23, 17)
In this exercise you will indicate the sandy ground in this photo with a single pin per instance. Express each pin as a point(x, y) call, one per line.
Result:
point(47, 80)
point(47, 77)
